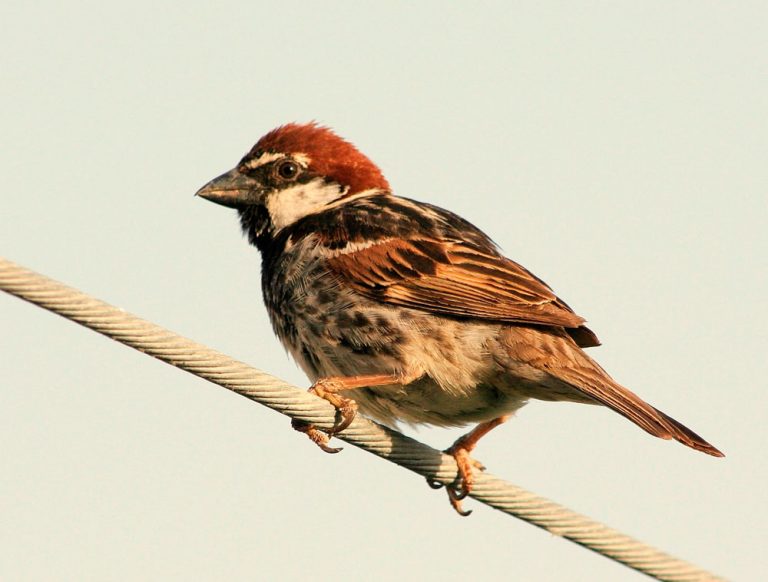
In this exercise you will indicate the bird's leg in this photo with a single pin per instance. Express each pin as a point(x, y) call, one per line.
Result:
point(328, 388)
point(460, 450)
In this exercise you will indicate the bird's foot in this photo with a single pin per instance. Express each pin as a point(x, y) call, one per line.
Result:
point(465, 479)
point(466, 465)
point(346, 409)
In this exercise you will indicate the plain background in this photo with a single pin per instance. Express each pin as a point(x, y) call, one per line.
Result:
point(616, 149)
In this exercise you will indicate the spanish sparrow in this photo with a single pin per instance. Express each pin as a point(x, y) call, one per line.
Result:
point(404, 309)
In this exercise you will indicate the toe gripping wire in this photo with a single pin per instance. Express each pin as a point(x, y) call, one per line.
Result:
point(301, 406)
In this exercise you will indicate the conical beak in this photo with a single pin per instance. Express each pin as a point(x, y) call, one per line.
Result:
point(233, 189)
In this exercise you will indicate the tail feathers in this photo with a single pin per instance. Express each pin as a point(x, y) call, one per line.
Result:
point(651, 420)
point(685, 435)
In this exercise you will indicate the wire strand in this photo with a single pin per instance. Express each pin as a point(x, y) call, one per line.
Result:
point(270, 391)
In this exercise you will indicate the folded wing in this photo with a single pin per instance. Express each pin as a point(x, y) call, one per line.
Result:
point(458, 279)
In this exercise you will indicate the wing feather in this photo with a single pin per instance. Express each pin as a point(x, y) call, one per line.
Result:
point(455, 278)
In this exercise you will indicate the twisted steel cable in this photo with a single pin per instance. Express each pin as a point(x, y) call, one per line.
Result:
point(270, 391)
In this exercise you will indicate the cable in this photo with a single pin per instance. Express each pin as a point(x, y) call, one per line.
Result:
point(224, 371)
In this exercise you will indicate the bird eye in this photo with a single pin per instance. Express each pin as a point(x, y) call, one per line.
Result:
point(287, 169)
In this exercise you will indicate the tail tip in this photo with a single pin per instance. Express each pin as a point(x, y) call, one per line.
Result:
point(710, 450)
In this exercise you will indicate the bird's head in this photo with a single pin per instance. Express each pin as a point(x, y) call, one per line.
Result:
point(293, 171)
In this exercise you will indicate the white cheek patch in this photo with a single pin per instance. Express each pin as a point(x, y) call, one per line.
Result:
point(291, 204)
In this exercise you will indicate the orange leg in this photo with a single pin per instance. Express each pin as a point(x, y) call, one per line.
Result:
point(460, 451)
point(328, 388)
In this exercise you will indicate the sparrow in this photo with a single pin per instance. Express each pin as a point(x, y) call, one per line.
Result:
point(403, 310)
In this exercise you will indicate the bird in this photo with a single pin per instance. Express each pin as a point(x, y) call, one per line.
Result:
point(405, 311)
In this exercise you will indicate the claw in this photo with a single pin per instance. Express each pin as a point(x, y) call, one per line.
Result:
point(458, 493)
point(455, 498)
point(455, 495)
point(315, 435)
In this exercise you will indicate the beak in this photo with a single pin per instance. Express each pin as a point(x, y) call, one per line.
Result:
point(233, 189)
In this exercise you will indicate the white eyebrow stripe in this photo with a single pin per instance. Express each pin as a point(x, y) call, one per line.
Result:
point(303, 159)
point(269, 157)
point(262, 159)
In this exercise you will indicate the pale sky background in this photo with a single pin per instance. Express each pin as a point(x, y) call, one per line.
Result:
point(616, 149)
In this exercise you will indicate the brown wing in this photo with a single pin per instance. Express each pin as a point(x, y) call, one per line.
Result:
point(456, 278)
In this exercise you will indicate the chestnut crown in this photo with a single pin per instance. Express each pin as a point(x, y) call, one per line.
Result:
point(325, 154)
